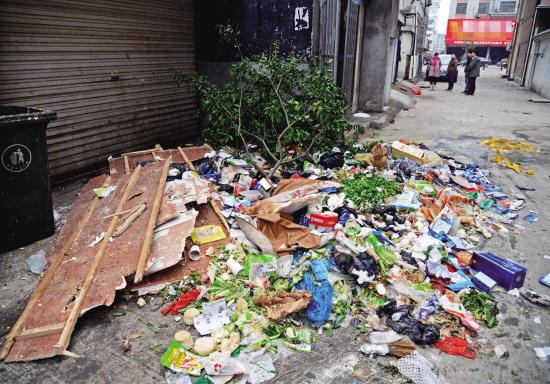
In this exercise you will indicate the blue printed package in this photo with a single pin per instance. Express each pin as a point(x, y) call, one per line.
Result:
point(483, 282)
point(506, 273)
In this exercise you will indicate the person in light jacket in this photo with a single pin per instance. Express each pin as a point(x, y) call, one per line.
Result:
point(473, 73)
point(452, 72)
point(435, 71)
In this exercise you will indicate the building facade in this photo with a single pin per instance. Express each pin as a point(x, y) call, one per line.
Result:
point(483, 9)
point(414, 37)
point(529, 63)
point(440, 43)
point(471, 15)
point(432, 31)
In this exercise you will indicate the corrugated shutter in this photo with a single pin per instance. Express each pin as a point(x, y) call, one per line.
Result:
point(103, 67)
point(328, 45)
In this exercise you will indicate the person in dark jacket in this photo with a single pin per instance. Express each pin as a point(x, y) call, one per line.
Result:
point(452, 72)
point(473, 73)
point(466, 69)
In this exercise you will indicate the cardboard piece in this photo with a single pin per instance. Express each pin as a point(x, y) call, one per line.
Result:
point(416, 154)
point(283, 233)
point(284, 303)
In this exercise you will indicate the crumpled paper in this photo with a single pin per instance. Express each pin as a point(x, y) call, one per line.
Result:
point(284, 303)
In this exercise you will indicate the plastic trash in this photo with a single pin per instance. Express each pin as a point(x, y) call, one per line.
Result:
point(375, 349)
point(416, 91)
point(363, 269)
point(177, 377)
point(456, 346)
point(543, 353)
point(384, 337)
point(419, 370)
point(104, 192)
point(320, 308)
point(535, 297)
point(402, 321)
point(332, 160)
point(37, 262)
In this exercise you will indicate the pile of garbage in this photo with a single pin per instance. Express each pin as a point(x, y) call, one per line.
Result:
point(385, 240)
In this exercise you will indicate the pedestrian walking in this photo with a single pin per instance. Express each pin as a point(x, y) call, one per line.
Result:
point(466, 69)
point(435, 71)
point(473, 73)
point(452, 72)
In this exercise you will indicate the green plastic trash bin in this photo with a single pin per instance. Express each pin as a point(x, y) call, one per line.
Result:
point(25, 192)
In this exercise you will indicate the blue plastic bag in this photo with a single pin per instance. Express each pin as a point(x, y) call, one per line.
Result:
point(320, 308)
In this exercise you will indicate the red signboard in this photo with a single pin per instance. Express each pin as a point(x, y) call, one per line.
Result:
point(483, 32)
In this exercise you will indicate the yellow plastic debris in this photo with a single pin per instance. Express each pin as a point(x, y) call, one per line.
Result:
point(516, 167)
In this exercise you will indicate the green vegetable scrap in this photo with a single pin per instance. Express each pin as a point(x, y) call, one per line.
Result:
point(151, 326)
point(119, 313)
point(475, 302)
point(363, 188)
point(154, 347)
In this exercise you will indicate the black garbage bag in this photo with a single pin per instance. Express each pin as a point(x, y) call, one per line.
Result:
point(364, 269)
point(226, 188)
point(407, 258)
point(176, 170)
point(332, 160)
point(401, 320)
point(205, 166)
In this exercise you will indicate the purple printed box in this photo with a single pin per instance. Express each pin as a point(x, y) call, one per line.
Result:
point(504, 272)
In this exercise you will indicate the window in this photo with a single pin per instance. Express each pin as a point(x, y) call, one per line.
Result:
point(461, 7)
point(483, 8)
point(507, 6)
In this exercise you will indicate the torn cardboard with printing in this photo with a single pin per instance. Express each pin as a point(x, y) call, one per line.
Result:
point(283, 233)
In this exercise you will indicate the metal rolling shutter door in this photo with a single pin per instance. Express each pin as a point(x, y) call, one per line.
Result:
point(103, 67)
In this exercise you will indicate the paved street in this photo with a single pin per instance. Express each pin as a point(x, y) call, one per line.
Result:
point(447, 122)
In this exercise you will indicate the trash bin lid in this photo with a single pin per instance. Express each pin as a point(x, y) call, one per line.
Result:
point(11, 114)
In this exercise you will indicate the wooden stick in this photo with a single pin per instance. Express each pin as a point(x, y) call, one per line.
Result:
point(120, 213)
point(187, 161)
point(42, 331)
point(152, 221)
point(48, 277)
point(278, 377)
point(61, 345)
point(126, 165)
point(70, 354)
point(124, 226)
point(144, 152)
point(214, 206)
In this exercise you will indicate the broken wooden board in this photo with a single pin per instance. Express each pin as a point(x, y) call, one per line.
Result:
point(159, 280)
point(117, 165)
point(120, 260)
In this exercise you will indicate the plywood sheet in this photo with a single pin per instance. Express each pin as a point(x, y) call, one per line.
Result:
point(120, 259)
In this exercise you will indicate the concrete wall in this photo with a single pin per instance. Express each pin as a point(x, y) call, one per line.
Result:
point(377, 56)
point(256, 21)
point(540, 83)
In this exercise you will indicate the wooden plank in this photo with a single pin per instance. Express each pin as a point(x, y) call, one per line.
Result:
point(75, 313)
point(126, 166)
point(47, 278)
point(152, 221)
point(145, 151)
point(35, 332)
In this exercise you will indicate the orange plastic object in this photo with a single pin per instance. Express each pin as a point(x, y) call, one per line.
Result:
point(416, 91)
